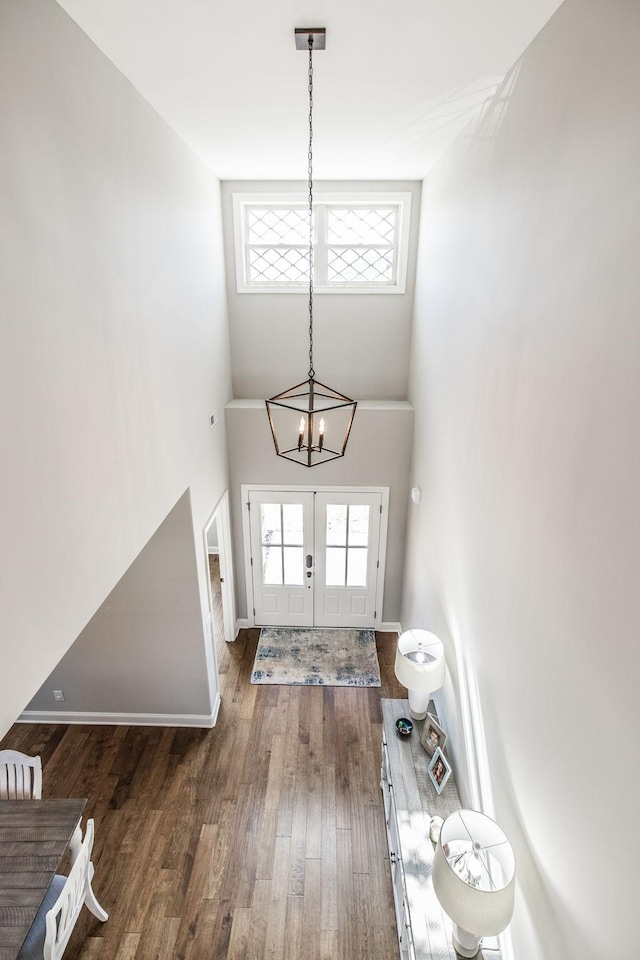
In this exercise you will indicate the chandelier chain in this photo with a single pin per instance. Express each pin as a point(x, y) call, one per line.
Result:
point(310, 158)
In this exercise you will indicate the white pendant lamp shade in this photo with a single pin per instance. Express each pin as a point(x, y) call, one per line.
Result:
point(474, 876)
point(420, 667)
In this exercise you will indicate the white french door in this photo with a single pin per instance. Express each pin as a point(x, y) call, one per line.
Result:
point(347, 528)
point(315, 557)
point(282, 558)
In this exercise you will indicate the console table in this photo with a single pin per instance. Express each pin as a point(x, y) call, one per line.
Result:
point(424, 929)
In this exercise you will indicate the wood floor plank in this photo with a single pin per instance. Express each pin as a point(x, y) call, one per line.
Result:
point(329, 945)
point(275, 932)
point(260, 911)
point(128, 946)
point(276, 765)
point(329, 852)
point(293, 944)
point(221, 852)
point(311, 913)
point(280, 872)
point(313, 848)
point(299, 825)
point(239, 936)
point(160, 932)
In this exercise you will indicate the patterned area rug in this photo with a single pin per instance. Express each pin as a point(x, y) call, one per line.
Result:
point(314, 656)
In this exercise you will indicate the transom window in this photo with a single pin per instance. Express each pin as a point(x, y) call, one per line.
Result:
point(360, 243)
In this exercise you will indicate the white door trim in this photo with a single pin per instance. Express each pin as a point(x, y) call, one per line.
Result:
point(245, 488)
point(221, 516)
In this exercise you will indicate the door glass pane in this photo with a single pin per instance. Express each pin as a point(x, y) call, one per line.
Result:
point(337, 524)
point(359, 526)
point(293, 572)
point(272, 565)
point(271, 523)
point(293, 525)
point(357, 568)
point(335, 566)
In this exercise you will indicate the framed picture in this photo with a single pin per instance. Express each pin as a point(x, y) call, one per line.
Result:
point(432, 736)
point(439, 770)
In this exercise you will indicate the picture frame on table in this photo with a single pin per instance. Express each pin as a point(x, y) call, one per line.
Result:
point(432, 735)
point(439, 770)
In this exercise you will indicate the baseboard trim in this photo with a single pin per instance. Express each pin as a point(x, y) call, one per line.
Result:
point(124, 719)
point(216, 708)
point(213, 551)
point(242, 624)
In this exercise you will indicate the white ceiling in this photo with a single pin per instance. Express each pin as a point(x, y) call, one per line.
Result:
point(397, 81)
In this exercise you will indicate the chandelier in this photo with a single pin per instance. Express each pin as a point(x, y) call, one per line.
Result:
point(310, 422)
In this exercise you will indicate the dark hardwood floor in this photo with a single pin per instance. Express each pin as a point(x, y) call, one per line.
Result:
point(261, 838)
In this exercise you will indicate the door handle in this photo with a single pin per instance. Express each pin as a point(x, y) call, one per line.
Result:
point(309, 562)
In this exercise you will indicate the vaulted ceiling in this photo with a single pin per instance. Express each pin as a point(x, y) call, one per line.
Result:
point(394, 86)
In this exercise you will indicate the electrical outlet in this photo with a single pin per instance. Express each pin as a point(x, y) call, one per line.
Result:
point(58, 695)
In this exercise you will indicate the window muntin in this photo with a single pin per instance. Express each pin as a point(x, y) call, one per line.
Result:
point(360, 243)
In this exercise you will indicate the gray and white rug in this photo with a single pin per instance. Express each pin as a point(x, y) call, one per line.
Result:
point(315, 656)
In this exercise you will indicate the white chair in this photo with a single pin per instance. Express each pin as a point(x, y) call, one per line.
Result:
point(56, 918)
point(20, 776)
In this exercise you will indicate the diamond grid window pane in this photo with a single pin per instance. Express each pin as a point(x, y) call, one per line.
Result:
point(273, 264)
point(347, 265)
point(361, 225)
point(274, 225)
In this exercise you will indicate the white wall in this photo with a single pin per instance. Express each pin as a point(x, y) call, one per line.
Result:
point(361, 342)
point(526, 384)
point(114, 340)
point(378, 454)
point(142, 652)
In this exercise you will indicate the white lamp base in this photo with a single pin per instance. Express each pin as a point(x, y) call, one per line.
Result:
point(465, 943)
point(418, 704)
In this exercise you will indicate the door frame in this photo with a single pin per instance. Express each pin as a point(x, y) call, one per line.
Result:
point(245, 488)
point(221, 517)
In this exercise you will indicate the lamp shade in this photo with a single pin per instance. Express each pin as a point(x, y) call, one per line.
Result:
point(426, 673)
point(474, 873)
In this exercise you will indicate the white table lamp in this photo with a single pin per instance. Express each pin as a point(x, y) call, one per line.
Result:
point(474, 878)
point(419, 667)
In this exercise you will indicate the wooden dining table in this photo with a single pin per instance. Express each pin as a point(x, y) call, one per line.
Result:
point(34, 836)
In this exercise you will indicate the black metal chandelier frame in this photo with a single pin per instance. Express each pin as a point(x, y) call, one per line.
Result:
point(310, 399)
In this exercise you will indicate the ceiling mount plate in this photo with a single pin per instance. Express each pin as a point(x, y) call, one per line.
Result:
point(319, 35)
